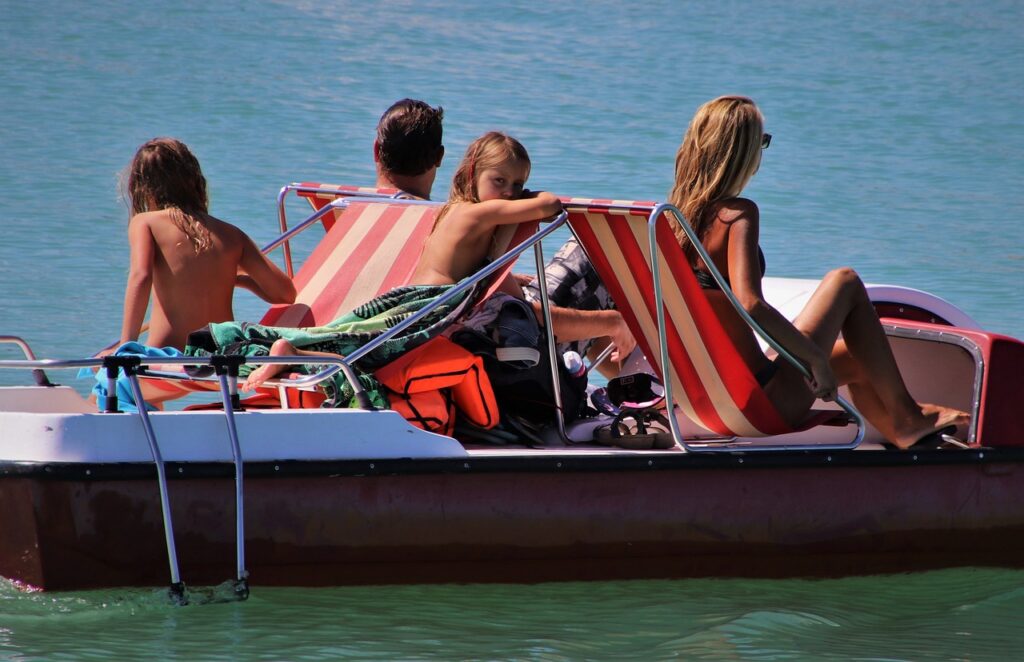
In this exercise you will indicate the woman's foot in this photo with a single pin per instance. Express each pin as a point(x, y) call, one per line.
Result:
point(933, 419)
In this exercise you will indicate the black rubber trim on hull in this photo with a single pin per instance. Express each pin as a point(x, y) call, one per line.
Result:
point(539, 463)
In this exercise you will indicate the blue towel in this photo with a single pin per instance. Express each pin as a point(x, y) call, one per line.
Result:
point(125, 397)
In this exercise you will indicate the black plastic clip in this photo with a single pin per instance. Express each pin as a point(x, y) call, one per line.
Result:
point(241, 588)
point(113, 364)
point(228, 364)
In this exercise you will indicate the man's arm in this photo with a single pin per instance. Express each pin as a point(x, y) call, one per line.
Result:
point(570, 324)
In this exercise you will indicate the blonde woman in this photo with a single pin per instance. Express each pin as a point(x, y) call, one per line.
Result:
point(720, 153)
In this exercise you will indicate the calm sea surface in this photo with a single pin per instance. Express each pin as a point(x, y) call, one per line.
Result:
point(898, 149)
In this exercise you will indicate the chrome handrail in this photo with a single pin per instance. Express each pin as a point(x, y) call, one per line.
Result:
point(176, 591)
point(337, 364)
point(38, 375)
point(282, 220)
point(461, 287)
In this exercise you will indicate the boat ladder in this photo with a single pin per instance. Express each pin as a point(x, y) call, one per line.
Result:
point(226, 368)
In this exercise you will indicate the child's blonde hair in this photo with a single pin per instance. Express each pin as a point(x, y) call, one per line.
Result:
point(719, 154)
point(488, 151)
point(165, 174)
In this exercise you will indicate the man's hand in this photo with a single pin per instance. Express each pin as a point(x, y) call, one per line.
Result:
point(623, 338)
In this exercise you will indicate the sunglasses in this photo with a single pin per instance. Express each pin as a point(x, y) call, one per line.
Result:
point(766, 139)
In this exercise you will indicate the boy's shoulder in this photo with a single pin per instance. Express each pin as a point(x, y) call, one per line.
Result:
point(150, 216)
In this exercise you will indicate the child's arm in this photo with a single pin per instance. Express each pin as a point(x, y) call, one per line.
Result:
point(533, 206)
point(262, 277)
point(140, 278)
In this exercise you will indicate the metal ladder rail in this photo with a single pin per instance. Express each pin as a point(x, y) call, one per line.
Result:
point(130, 364)
point(226, 368)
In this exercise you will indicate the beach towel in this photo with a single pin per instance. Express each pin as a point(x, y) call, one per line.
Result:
point(342, 336)
point(123, 389)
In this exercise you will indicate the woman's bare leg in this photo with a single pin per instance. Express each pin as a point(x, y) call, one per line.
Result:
point(865, 362)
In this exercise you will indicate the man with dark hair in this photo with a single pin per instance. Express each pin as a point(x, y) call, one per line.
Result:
point(408, 150)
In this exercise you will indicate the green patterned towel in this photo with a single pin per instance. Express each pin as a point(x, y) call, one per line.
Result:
point(343, 336)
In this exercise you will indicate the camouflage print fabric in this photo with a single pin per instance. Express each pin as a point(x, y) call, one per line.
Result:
point(572, 283)
point(342, 336)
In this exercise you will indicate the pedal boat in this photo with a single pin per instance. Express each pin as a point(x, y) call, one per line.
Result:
point(324, 497)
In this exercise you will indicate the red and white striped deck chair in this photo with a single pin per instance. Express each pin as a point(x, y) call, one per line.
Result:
point(710, 382)
point(320, 195)
point(373, 248)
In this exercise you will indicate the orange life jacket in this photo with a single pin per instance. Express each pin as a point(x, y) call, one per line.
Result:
point(427, 385)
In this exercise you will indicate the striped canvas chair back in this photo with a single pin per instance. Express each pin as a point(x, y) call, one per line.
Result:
point(711, 382)
point(319, 195)
point(372, 248)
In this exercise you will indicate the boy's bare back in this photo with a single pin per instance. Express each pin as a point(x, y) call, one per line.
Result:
point(191, 289)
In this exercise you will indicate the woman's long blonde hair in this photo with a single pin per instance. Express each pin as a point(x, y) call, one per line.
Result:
point(166, 174)
point(719, 154)
point(488, 151)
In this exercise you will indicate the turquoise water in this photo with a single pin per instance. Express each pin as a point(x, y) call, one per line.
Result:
point(898, 149)
point(946, 615)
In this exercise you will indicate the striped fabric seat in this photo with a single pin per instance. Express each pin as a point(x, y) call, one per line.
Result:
point(319, 195)
point(711, 382)
point(374, 247)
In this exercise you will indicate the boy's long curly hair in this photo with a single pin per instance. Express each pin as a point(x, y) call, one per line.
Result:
point(164, 174)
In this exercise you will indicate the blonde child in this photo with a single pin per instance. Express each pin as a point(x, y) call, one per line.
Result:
point(488, 190)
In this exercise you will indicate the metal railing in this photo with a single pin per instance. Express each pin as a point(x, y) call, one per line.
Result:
point(282, 219)
point(226, 369)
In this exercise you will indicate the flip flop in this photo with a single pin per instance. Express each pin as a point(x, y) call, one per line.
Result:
point(636, 430)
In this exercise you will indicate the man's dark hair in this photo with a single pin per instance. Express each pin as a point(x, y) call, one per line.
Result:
point(409, 137)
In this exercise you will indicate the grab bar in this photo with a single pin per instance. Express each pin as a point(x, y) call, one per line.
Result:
point(129, 364)
point(282, 220)
point(38, 375)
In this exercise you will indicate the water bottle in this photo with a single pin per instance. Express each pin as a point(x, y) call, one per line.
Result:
point(574, 364)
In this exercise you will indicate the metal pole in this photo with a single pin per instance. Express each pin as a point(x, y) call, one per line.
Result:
point(545, 305)
point(177, 587)
point(227, 373)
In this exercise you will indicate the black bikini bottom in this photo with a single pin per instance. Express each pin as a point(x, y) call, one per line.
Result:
point(765, 374)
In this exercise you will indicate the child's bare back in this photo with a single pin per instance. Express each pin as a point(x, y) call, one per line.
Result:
point(190, 289)
point(190, 261)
